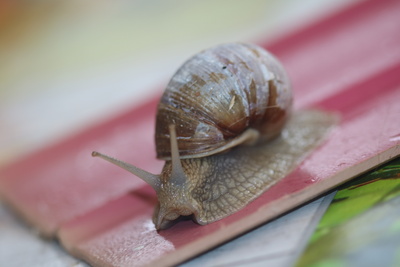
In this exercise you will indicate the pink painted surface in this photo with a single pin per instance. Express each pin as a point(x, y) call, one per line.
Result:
point(349, 64)
point(363, 137)
point(59, 183)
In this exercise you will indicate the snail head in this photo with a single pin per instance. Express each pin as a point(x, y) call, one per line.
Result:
point(172, 186)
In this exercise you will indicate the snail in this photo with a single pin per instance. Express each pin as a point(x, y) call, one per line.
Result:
point(219, 128)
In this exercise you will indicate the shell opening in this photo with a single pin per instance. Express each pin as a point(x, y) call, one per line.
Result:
point(152, 179)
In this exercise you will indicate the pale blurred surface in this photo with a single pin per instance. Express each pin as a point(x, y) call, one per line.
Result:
point(66, 65)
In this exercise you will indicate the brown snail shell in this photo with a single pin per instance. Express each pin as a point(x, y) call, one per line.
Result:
point(223, 97)
point(220, 93)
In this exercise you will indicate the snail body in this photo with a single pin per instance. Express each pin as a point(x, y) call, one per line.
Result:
point(213, 121)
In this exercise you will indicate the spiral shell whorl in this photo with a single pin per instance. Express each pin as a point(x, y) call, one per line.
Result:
point(219, 93)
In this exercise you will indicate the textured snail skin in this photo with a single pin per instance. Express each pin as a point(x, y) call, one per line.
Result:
point(219, 100)
point(220, 93)
point(222, 184)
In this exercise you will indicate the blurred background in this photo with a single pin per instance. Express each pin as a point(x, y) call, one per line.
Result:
point(66, 65)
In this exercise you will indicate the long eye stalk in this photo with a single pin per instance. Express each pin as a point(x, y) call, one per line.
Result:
point(178, 175)
point(152, 179)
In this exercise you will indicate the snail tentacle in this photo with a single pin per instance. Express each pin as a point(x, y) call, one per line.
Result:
point(152, 179)
point(178, 176)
